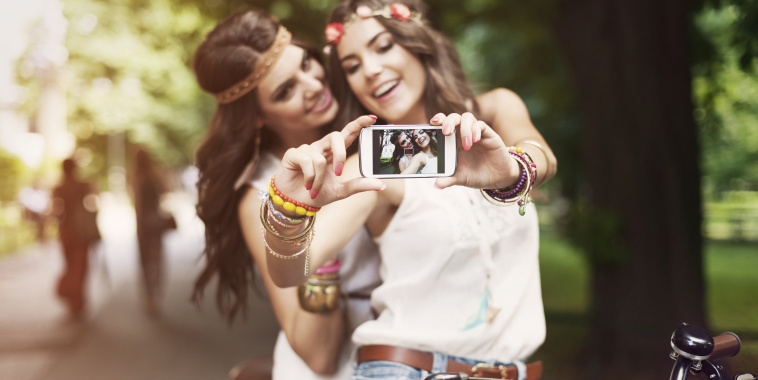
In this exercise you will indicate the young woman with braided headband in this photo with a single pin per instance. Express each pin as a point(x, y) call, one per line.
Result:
point(271, 97)
point(461, 289)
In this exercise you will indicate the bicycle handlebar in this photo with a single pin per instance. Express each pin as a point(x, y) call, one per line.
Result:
point(725, 345)
point(696, 350)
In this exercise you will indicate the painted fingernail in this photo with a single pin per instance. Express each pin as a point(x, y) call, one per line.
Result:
point(338, 168)
point(308, 185)
point(467, 143)
point(372, 116)
point(435, 119)
point(314, 194)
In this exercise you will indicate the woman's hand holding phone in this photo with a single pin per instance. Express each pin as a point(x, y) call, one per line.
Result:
point(483, 158)
point(311, 173)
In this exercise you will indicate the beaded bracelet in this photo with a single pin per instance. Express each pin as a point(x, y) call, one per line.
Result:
point(538, 146)
point(518, 193)
point(288, 203)
point(277, 216)
point(301, 237)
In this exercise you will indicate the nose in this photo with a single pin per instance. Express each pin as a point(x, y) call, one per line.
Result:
point(312, 85)
point(371, 67)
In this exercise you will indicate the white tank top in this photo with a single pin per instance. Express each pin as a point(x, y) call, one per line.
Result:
point(359, 275)
point(436, 253)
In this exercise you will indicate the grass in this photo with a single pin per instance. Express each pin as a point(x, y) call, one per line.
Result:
point(731, 271)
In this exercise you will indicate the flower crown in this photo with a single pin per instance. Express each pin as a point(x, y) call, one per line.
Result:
point(399, 11)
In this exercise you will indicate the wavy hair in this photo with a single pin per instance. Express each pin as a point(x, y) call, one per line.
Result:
point(227, 55)
point(432, 141)
point(398, 152)
point(446, 90)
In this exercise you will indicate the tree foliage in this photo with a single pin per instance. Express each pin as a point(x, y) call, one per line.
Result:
point(725, 89)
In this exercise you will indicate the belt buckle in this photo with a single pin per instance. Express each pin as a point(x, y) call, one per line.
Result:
point(477, 368)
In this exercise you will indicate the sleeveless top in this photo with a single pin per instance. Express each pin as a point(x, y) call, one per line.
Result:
point(437, 254)
point(359, 275)
point(430, 167)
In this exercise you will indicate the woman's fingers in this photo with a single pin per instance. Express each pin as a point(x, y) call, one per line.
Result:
point(448, 125)
point(477, 130)
point(318, 163)
point(359, 185)
point(437, 119)
point(339, 154)
point(444, 182)
point(467, 123)
point(353, 128)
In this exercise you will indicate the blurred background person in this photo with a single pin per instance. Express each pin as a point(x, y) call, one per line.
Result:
point(147, 188)
point(75, 205)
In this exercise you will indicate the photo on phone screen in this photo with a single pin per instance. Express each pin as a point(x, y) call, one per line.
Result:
point(406, 152)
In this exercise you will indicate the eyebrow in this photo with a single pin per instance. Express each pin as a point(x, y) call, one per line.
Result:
point(369, 43)
point(289, 81)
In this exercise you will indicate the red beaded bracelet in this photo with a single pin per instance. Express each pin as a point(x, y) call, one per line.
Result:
point(288, 203)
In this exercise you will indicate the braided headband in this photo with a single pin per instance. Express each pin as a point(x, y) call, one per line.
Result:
point(268, 59)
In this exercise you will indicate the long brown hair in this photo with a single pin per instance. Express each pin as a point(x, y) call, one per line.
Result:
point(228, 54)
point(447, 89)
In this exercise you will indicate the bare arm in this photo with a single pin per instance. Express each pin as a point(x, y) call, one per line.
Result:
point(507, 114)
point(316, 338)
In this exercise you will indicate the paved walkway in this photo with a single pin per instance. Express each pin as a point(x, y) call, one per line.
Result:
point(119, 340)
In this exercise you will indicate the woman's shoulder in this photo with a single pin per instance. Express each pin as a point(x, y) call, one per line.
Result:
point(498, 99)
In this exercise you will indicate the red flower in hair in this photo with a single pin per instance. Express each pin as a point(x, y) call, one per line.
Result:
point(400, 11)
point(333, 32)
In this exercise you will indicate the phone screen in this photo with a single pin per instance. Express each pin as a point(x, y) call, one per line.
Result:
point(394, 151)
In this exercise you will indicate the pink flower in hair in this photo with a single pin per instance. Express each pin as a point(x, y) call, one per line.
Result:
point(333, 32)
point(400, 11)
point(363, 11)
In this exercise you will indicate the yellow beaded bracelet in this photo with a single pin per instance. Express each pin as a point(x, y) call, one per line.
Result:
point(288, 204)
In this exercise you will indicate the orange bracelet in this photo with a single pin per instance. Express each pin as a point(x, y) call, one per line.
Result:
point(288, 203)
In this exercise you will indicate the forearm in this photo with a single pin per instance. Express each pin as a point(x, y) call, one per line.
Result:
point(304, 330)
point(506, 113)
point(318, 339)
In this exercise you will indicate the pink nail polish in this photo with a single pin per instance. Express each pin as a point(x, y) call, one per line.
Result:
point(435, 119)
point(314, 194)
point(467, 143)
point(372, 116)
point(308, 185)
point(338, 168)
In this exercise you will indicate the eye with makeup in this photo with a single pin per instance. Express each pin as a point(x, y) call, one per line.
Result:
point(382, 43)
point(286, 89)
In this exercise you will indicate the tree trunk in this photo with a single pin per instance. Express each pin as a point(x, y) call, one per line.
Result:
point(639, 142)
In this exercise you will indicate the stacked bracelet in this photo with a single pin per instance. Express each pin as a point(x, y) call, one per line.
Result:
point(518, 193)
point(289, 204)
point(548, 165)
point(303, 238)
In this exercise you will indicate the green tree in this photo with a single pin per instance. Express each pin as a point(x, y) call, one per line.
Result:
point(12, 177)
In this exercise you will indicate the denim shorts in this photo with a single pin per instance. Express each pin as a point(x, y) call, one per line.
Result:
point(391, 370)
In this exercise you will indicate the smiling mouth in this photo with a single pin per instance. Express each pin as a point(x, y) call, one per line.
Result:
point(385, 88)
point(323, 103)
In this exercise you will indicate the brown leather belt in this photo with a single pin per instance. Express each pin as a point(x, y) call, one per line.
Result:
point(425, 360)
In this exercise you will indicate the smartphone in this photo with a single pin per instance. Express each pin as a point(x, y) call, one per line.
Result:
point(406, 151)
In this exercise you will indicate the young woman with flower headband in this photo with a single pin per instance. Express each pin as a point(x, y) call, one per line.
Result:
point(461, 287)
point(271, 97)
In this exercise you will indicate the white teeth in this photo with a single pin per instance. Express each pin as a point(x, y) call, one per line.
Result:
point(384, 88)
point(320, 101)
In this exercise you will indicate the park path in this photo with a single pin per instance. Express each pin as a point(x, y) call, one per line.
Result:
point(119, 340)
